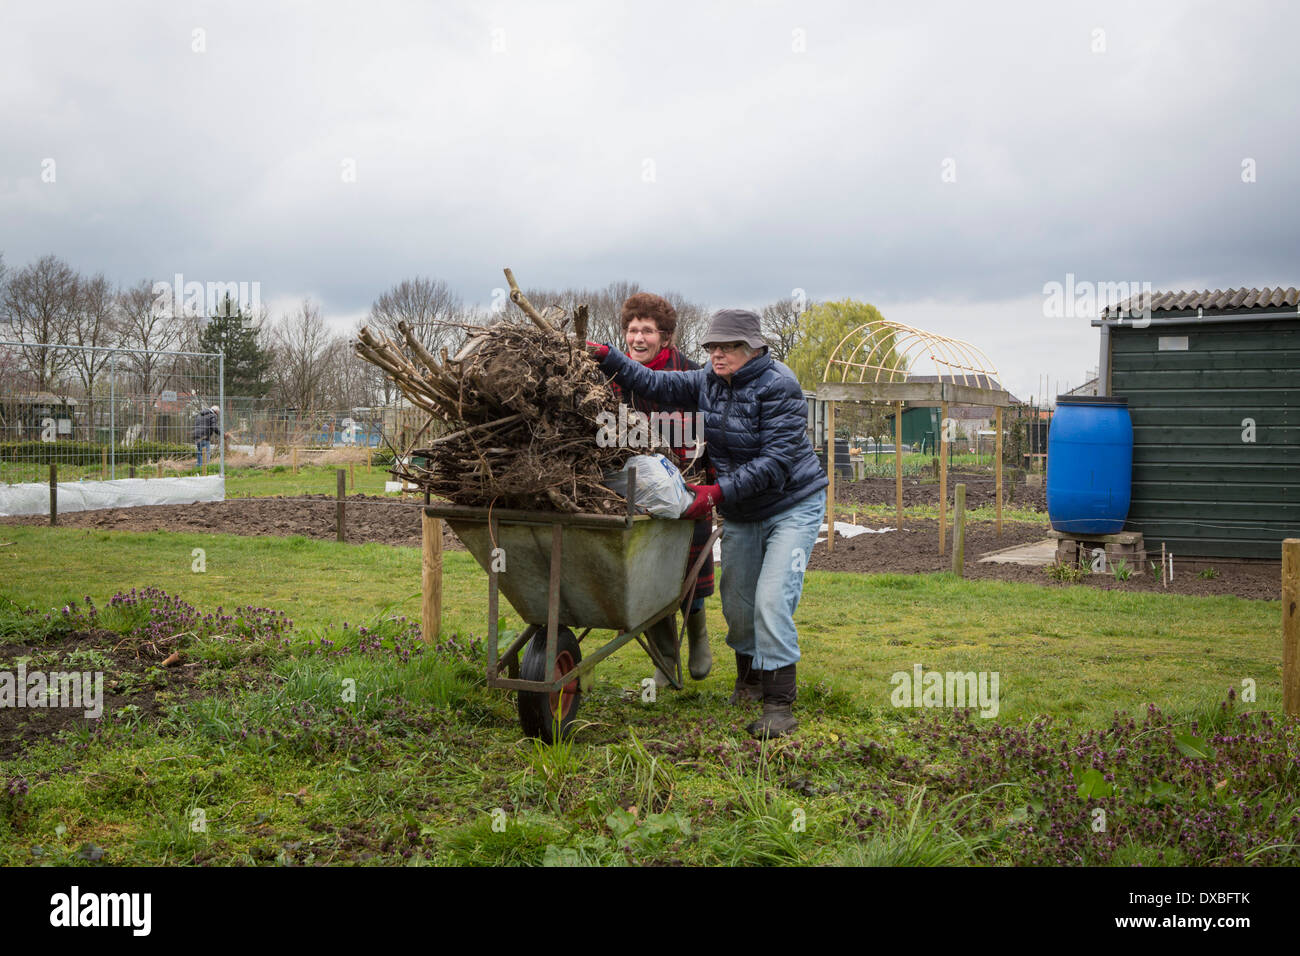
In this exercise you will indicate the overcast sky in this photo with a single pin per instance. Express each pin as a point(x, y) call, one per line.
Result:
point(943, 161)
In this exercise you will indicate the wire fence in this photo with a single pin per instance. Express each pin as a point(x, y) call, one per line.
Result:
point(108, 413)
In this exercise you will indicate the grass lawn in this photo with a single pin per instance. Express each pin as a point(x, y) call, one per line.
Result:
point(427, 765)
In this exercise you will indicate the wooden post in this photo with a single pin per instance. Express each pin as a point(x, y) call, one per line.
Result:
point(959, 530)
point(830, 476)
point(103, 463)
point(368, 459)
point(338, 508)
point(1291, 627)
point(431, 579)
point(997, 470)
point(352, 477)
point(132, 469)
point(54, 494)
point(1164, 581)
point(943, 475)
point(294, 453)
point(898, 462)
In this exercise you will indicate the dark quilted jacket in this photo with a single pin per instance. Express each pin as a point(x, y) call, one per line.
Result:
point(205, 425)
point(756, 428)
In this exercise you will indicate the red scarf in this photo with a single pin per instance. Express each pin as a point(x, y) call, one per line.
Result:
point(659, 361)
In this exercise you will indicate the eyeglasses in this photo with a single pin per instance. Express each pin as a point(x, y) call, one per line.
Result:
point(724, 347)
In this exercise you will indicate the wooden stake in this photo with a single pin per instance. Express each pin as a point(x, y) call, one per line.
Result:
point(294, 452)
point(943, 475)
point(898, 462)
point(103, 463)
point(959, 531)
point(997, 469)
point(338, 508)
point(54, 494)
point(431, 579)
point(1164, 565)
point(368, 450)
point(352, 476)
point(830, 476)
point(132, 469)
point(1291, 627)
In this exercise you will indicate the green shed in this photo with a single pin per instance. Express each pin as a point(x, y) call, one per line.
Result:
point(1213, 387)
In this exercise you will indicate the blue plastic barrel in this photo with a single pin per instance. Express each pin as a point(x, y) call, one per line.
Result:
point(1089, 464)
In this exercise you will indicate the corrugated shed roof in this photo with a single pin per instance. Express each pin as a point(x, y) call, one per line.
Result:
point(1262, 299)
point(975, 379)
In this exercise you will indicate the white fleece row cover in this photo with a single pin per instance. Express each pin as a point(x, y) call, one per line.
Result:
point(34, 499)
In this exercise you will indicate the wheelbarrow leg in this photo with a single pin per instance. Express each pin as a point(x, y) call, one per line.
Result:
point(553, 598)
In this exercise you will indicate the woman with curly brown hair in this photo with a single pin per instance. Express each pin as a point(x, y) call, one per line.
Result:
point(649, 323)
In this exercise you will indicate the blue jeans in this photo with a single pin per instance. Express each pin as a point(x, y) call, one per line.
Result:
point(763, 565)
point(201, 447)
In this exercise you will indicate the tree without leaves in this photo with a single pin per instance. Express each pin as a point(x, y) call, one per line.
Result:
point(301, 345)
point(153, 329)
point(39, 301)
point(780, 325)
point(428, 306)
point(346, 382)
point(95, 325)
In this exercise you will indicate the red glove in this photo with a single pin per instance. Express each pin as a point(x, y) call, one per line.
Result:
point(706, 496)
point(597, 351)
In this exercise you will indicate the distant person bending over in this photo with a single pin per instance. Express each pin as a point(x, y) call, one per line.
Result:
point(769, 492)
point(206, 424)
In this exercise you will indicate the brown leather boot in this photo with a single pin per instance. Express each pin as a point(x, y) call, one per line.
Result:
point(778, 704)
point(749, 687)
point(701, 656)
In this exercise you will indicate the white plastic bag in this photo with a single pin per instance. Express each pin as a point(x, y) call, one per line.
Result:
point(660, 488)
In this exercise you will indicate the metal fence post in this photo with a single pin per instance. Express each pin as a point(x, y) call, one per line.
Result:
point(112, 415)
point(221, 403)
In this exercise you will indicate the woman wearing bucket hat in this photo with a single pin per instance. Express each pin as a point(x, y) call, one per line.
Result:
point(768, 491)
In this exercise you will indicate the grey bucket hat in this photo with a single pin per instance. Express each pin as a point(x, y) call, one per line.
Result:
point(734, 325)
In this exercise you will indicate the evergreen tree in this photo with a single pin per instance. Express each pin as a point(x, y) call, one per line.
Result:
point(247, 362)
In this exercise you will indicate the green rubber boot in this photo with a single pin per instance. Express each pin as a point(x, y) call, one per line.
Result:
point(663, 637)
point(701, 656)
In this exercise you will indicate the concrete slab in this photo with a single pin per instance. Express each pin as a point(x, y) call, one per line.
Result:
point(1036, 555)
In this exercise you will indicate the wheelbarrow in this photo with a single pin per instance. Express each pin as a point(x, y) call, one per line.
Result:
point(592, 572)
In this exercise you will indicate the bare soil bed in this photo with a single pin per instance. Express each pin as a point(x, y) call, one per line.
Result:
point(368, 518)
point(132, 677)
point(980, 489)
point(915, 549)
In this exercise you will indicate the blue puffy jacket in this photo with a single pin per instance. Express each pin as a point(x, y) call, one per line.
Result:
point(756, 428)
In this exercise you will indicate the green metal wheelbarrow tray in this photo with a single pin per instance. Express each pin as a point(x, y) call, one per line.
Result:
point(621, 573)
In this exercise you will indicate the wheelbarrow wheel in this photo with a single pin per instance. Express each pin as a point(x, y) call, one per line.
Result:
point(549, 716)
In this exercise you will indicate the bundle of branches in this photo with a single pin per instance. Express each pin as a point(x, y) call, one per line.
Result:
point(520, 400)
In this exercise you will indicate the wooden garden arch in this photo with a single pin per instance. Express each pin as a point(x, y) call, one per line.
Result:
point(875, 363)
